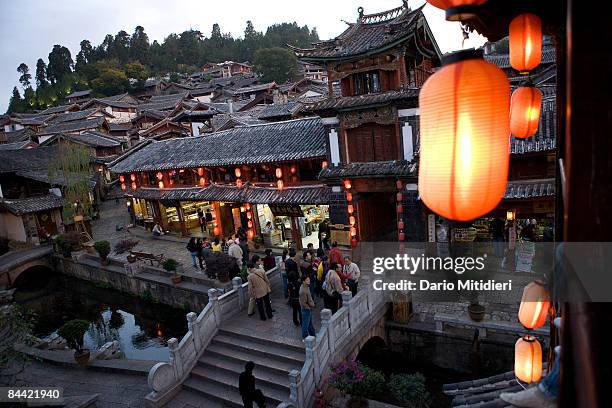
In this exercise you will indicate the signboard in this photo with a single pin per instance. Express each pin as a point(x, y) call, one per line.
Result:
point(341, 237)
point(288, 210)
point(524, 256)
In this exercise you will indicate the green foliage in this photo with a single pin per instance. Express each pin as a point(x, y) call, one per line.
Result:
point(110, 82)
point(409, 390)
point(373, 385)
point(346, 377)
point(170, 265)
point(60, 64)
point(16, 104)
point(276, 64)
point(103, 248)
point(16, 326)
point(147, 296)
point(73, 331)
point(25, 77)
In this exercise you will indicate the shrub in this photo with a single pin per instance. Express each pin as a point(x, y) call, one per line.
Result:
point(125, 245)
point(373, 385)
point(170, 265)
point(72, 239)
point(102, 248)
point(409, 390)
point(73, 331)
point(345, 377)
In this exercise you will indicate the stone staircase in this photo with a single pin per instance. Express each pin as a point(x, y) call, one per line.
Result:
point(213, 382)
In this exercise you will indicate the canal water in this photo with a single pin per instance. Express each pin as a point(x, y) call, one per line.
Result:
point(141, 326)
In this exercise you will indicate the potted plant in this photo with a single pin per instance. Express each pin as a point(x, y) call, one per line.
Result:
point(73, 331)
point(476, 311)
point(103, 249)
point(171, 265)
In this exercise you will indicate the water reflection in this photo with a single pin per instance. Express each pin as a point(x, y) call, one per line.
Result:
point(141, 328)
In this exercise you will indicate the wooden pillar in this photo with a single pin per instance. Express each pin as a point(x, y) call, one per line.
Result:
point(181, 217)
point(297, 236)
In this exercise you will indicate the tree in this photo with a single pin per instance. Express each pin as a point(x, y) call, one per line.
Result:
point(275, 64)
point(122, 46)
point(135, 70)
point(29, 97)
point(25, 77)
point(252, 41)
point(60, 63)
point(16, 104)
point(84, 57)
point(139, 46)
point(41, 76)
point(110, 82)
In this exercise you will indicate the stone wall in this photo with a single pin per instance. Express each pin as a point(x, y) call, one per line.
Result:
point(116, 276)
point(425, 311)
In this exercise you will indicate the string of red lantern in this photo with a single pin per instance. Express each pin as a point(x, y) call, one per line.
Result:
point(399, 197)
point(350, 210)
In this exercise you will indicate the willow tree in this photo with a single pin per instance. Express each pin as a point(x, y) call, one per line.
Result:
point(71, 169)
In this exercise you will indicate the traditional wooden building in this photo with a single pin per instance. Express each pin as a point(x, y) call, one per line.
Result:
point(380, 61)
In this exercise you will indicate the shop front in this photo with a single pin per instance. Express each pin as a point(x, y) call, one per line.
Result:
point(290, 223)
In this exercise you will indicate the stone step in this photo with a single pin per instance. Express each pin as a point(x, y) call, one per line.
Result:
point(241, 357)
point(276, 351)
point(187, 398)
point(237, 333)
point(230, 379)
point(271, 378)
point(226, 395)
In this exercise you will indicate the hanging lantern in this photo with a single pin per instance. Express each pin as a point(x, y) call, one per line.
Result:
point(400, 224)
point(347, 184)
point(237, 172)
point(160, 184)
point(399, 197)
point(251, 234)
point(123, 186)
point(279, 173)
point(133, 177)
point(159, 175)
point(510, 215)
point(349, 197)
point(280, 185)
point(324, 164)
point(200, 171)
point(353, 231)
point(464, 137)
point(402, 236)
point(354, 242)
point(202, 181)
point(239, 183)
point(399, 208)
point(293, 169)
point(133, 186)
point(249, 215)
point(457, 9)
point(216, 231)
point(122, 178)
point(350, 209)
point(525, 106)
point(534, 305)
point(352, 220)
point(528, 359)
point(242, 209)
point(525, 42)
point(250, 224)
point(399, 184)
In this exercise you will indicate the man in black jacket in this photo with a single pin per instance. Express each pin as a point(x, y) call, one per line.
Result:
point(246, 386)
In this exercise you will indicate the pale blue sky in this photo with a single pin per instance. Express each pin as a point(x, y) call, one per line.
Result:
point(30, 28)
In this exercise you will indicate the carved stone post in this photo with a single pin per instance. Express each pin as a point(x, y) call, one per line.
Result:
point(213, 299)
point(237, 286)
point(347, 304)
point(195, 333)
point(364, 286)
point(175, 358)
point(294, 388)
point(314, 354)
point(326, 315)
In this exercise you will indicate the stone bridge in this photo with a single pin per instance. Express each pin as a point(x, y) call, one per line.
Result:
point(14, 263)
point(204, 366)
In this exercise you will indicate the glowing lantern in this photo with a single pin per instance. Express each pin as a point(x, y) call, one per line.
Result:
point(250, 224)
point(525, 42)
point(399, 208)
point(279, 173)
point(293, 169)
point(324, 164)
point(347, 184)
point(280, 184)
point(161, 184)
point(237, 172)
point(202, 181)
point(510, 215)
point(200, 171)
point(354, 242)
point(352, 220)
point(528, 359)
point(239, 183)
point(399, 197)
point(251, 234)
point(133, 177)
point(216, 231)
point(133, 186)
point(400, 224)
point(247, 206)
point(159, 175)
point(122, 178)
point(534, 305)
point(349, 197)
point(402, 236)
point(249, 215)
point(242, 208)
point(350, 209)
point(525, 106)
point(464, 137)
point(353, 231)
point(123, 186)
point(399, 184)
point(457, 9)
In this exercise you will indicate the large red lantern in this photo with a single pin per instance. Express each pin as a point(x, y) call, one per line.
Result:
point(250, 224)
point(123, 186)
point(399, 208)
point(457, 9)
point(535, 304)
point(159, 175)
point(122, 178)
point(352, 220)
point(133, 186)
point(133, 177)
point(525, 42)
point(347, 184)
point(160, 184)
point(237, 172)
point(324, 164)
point(251, 234)
point(402, 236)
point(216, 231)
point(350, 208)
point(525, 106)
point(280, 185)
point(399, 197)
point(279, 172)
point(528, 359)
point(349, 197)
point(239, 183)
point(202, 181)
point(249, 215)
point(353, 231)
point(293, 169)
point(200, 171)
point(464, 137)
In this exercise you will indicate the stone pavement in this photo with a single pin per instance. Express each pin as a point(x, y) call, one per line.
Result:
point(115, 390)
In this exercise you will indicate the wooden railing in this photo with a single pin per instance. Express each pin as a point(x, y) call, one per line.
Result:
point(165, 378)
point(334, 340)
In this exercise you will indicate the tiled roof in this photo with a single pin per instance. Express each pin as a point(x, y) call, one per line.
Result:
point(118, 127)
point(31, 204)
point(393, 168)
point(503, 60)
point(253, 88)
point(78, 94)
point(371, 33)
point(95, 139)
point(283, 110)
point(109, 102)
point(266, 143)
point(350, 102)
point(59, 109)
point(16, 145)
point(309, 194)
point(525, 189)
point(19, 135)
point(75, 126)
point(162, 105)
point(482, 393)
point(72, 116)
point(37, 158)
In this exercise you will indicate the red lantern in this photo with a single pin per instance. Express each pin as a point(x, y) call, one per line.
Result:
point(293, 169)
point(399, 197)
point(354, 242)
point(133, 177)
point(525, 42)
point(122, 178)
point(123, 187)
point(353, 231)
point(352, 220)
point(159, 175)
point(280, 185)
point(200, 171)
point(249, 215)
point(237, 172)
point(133, 186)
point(465, 124)
point(399, 208)
point(349, 208)
point(525, 107)
point(402, 236)
point(250, 224)
point(528, 359)
point(534, 305)
point(399, 184)
point(349, 197)
point(216, 231)
point(160, 184)
point(251, 234)
point(347, 184)
point(457, 9)
point(279, 173)
point(247, 206)
point(202, 181)
point(239, 183)
point(400, 224)
point(324, 164)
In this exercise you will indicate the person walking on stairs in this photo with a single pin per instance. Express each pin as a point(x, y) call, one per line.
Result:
point(246, 386)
